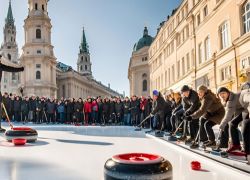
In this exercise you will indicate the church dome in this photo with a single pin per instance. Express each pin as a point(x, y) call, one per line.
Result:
point(146, 40)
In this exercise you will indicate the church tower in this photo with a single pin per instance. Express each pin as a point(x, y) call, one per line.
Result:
point(39, 76)
point(83, 63)
point(9, 50)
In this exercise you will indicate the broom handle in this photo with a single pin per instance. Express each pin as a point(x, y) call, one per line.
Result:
point(144, 120)
point(178, 127)
point(8, 119)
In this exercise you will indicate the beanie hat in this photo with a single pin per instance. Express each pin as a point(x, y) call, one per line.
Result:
point(156, 93)
point(185, 88)
point(202, 88)
point(222, 89)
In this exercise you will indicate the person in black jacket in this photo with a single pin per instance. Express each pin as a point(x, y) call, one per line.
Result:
point(24, 110)
point(17, 109)
point(32, 109)
point(39, 108)
point(135, 110)
point(105, 111)
point(119, 109)
point(160, 109)
point(78, 110)
point(69, 105)
point(191, 103)
point(100, 110)
point(127, 109)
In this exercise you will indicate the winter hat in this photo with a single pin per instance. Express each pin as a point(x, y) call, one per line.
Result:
point(156, 93)
point(202, 88)
point(185, 88)
point(222, 89)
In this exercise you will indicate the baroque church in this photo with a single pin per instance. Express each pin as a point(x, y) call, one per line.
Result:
point(44, 75)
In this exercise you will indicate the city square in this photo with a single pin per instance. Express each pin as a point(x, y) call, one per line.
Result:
point(125, 90)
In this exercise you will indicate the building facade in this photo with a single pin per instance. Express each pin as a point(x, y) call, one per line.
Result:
point(138, 71)
point(202, 42)
point(9, 50)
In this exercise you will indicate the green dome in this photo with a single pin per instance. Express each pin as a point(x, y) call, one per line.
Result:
point(146, 40)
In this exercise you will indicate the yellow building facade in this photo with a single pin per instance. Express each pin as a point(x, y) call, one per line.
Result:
point(203, 42)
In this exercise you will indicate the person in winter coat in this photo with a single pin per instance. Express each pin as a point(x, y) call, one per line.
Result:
point(39, 108)
point(160, 109)
point(17, 109)
point(135, 110)
point(94, 111)
point(127, 109)
point(88, 111)
point(24, 110)
point(231, 120)
point(112, 111)
point(191, 103)
point(100, 110)
point(78, 110)
point(51, 108)
point(61, 109)
point(210, 114)
point(119, 109)
point(177, 111)
point(245, 102)
point(143, 109)
point(32, 109)
point(69, 109)
point(105, 111)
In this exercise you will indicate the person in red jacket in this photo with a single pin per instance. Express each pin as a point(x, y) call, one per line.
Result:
point(87, 111)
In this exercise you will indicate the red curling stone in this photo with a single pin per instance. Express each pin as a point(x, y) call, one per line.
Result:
point(19, 142)
point(195, 165)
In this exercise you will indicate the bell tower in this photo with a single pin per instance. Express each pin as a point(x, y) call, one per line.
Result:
point(38, 57)
point(83, 63)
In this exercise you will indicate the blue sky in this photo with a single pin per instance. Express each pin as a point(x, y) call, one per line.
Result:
point(112, 28)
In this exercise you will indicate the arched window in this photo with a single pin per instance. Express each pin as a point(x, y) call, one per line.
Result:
point(86, 67)
point(36, 6)
point(43, 7)
point(246, 16)
point(38, 75)
point(82, 59)
point(86, 59)
point(81, 68)
point(9, 57)
point(144, 85)
point(38, 34)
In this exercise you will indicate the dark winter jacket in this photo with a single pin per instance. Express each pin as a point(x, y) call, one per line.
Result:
point(127, 107)
point(78, 107)
point(135, 107)
point(191, 103)
point(106, 107)
point(69, 107)
point(119, 108)
point(25, 107)
point(161, 107)
point(211, 108)
point(51, 107)
point(17, 106)
point(32, 105)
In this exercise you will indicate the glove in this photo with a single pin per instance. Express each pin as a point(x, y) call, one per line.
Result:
point(188, 118)
point(187, 113)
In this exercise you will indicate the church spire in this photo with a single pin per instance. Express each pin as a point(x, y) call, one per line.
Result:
point(145, 32)
point(84, 48)
point(9, 19)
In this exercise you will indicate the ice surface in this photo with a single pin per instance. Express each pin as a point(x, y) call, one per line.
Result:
point(79, 153)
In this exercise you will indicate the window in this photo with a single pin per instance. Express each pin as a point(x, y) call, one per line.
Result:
point(86, 67)
point(245, 62)
point(224, 35)
point(188, 62)
point(86, 59)
point(9, 57)
point(14, 76)
point(38, 34)
point(178, 69)
point(43, 7)
point(205, 11)
point(173, 74)
point(246, 17)
point(200, 53)
point(36, 6)
point(198, 19)
point(183, 66)
point(207, 48)
point(226, 73)
point(81, 68)
point(144, 85)
point(38, 75)
point(38, 66)
point(39, 52)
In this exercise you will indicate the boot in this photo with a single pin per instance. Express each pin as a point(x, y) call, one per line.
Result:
point(210, 144)
point(194, 145)
point(182, 138)
point(2, 130)
point(234, 148)
point(189, 140)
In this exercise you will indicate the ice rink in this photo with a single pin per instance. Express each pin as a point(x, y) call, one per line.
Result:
point(79, 153)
